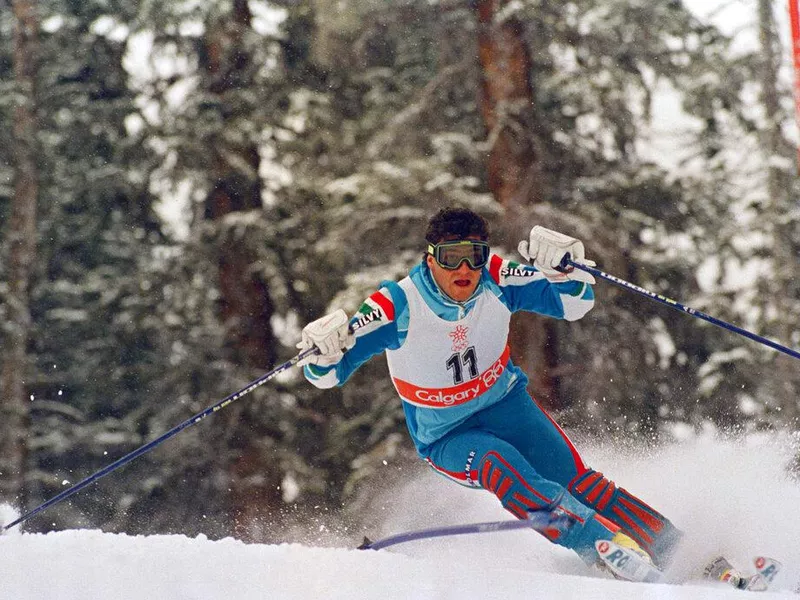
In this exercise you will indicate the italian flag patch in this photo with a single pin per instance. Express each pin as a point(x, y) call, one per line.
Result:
point(376, 310)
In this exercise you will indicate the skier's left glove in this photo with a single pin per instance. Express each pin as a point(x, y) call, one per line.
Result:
point(546, 248)
point(331, 335)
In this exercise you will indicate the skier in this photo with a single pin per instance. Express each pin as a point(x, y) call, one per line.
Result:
point(444, 329)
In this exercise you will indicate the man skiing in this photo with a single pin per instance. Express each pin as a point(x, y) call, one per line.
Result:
point(444, 329)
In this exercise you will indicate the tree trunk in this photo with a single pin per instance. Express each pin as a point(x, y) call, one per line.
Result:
point(770, 97)
point(21, 236)
point(779, 187)
point(245, 304)
point(513, 169)
point(246, 307)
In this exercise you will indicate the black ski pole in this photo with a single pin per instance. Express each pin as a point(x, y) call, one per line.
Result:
point(150, 445)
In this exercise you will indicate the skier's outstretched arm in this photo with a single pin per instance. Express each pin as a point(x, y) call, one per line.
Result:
point(539, 287)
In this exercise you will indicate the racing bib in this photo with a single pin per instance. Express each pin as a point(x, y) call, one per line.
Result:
point(448, 363)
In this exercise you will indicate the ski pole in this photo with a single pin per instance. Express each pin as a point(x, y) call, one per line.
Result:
point(568, 262)
point(540, 519)
point(150, 445)
point(534, 521)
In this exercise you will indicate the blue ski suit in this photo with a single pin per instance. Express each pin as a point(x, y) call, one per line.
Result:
point(483, 429)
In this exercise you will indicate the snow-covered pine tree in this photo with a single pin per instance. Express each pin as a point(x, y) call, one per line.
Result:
point(93, 351)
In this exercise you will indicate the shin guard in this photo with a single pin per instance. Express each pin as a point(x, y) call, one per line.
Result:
point(648, 527)
point(522, 494)
point(515, 494)
point(498, 477)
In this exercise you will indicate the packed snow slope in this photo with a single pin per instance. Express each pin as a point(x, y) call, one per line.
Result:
point(730, 498)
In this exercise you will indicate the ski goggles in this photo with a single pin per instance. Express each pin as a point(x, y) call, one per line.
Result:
point(450, 255)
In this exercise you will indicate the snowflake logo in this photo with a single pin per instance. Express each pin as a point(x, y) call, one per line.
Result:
point(459, 337)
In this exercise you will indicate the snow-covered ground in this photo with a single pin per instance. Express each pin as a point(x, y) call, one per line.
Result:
point(733, 498)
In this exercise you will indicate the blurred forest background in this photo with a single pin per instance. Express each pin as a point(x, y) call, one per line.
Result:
point(184, 184)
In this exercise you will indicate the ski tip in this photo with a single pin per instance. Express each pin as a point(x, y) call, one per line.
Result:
point(767, 567)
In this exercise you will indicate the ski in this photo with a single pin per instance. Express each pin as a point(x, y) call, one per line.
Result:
point(626, 564)
point(767, 567)
point(622, 562)
point(721, 569)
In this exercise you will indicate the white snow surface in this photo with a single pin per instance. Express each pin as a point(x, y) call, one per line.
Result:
point(733, 498)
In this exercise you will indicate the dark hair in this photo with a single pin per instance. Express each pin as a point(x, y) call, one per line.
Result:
point(459, 223)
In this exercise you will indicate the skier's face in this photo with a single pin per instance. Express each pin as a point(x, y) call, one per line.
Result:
point(459, 283)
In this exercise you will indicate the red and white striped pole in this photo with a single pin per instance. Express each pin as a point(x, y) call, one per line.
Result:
point(794, 17)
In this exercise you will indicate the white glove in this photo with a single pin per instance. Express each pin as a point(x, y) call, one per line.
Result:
point(331, 335)
point(547, 248)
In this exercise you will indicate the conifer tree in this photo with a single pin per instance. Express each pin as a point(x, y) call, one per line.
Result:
point(20, 252)
point(94, 352)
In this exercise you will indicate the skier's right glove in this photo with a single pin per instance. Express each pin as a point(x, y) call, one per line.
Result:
point(331, 335)
point(546, 249)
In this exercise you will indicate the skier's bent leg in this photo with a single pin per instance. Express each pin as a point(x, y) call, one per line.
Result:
point(480, 459)
point(553, 455)
point(648, 527)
